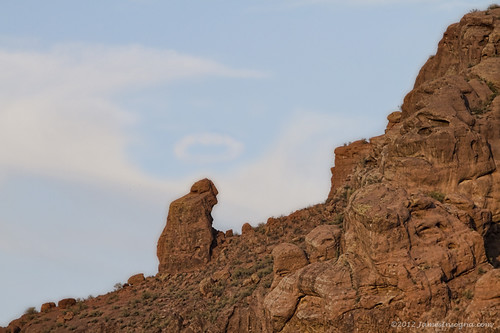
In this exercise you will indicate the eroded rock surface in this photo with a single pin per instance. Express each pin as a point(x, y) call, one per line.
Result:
point(420, 204)
point(188, 238)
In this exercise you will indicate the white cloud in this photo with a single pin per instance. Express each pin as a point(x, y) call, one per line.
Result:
point(57, 113)
point(231, 148)
point(293, 173)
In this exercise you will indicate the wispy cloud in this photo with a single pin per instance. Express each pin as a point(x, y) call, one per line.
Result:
point(58, 117)
point(292, 173)
point(227, 148)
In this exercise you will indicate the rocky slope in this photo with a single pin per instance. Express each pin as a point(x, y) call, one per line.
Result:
point(409, 233)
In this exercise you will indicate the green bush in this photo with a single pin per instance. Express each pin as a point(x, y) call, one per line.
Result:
point(436, 195)
point(468, 294)
point(31, 311)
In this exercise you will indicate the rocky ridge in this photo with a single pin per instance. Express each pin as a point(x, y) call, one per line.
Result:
point(410, 231)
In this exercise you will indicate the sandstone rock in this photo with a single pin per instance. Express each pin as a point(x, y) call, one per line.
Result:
point(323, 243)
point(221, 275)
point(390, 253)
point(136, 279)
point(464, 44)
point(393, 118)
point(66, 303)
point(12, 328)
point(46, 307)
point(188, 238)
point(255, 278)
point(60, 319)
point(68, 316)
point(220, 237)
point(492, 245)
point(229, 233)
point(486, 292)
point(247, 229)
point(449, 127)
point(206, 286)
point(346, 158)
point(287, 258)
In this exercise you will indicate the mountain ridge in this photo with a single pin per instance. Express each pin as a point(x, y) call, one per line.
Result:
point(409, 233)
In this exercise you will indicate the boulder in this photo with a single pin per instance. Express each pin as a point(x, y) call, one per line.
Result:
point(206, 286)
point(221, 275)
point(46, 307)
point(323, 243)
point(287, 258)
point(486, 294)
point(247, 230)
point(188, 238)
point(66, 303)
point(136, 279)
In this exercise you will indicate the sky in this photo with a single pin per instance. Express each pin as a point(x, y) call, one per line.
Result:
point(111, 109)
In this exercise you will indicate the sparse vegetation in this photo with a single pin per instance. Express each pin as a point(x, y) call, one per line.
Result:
point(96, 313)
point(485, 106)
point(468, 294)
point(31, 311)
point(146, 295)
point(436, 195)
point(493, 6)
point(361, 209)
point(339, 219)
point(240, 272)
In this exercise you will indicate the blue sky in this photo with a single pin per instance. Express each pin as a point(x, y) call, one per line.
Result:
point(111, 109)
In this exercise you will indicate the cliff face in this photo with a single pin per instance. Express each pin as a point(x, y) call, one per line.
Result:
point(421, 203)
point(409, 232)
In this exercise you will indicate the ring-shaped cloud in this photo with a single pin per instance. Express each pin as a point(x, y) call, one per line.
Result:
point(226, 148)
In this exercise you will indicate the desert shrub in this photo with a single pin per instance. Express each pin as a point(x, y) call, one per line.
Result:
point(31, 311)
point(96, 313)
point(436, 195)
point(267, 284)
point(265, 271)
point(493, 89)
point(339, 219)
point(468, 294)
point(493, 6)
point(478, 110)
point(246, 292)
point(242, 272)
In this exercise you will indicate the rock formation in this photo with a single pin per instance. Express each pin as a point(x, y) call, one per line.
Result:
point(187, 240)
point(421, 203)
point(346, 158)
point(410, 231)
point(323, 242)
point(136, 279)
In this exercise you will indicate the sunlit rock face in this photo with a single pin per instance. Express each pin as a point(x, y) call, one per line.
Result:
point(187, 240)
